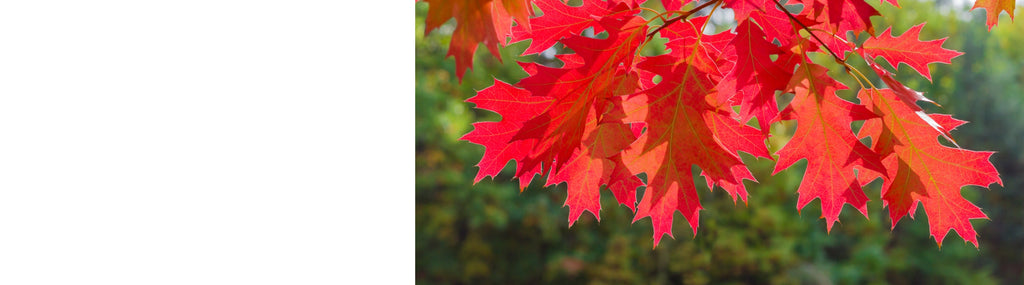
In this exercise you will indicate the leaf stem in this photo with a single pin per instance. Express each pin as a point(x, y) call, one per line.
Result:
point(809, 31)
point(657, 14)
point(849, 68)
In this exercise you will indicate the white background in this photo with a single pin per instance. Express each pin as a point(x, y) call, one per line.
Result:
point(206, 142)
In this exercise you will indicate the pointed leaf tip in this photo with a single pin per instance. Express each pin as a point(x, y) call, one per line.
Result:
point(909, 50)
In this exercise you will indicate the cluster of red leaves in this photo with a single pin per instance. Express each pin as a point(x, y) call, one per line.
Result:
point(609, 113)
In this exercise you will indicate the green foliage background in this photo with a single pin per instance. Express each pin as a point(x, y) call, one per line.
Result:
point(490, 233)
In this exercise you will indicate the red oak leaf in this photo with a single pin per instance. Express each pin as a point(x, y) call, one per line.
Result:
point(684, 37)
point(743, 8)
point(993, 8)
point(558, 131)
point(515, 107)
point(920, 169)
point(735, 136)
point(507, 10)
point(478, 21)
point(677, 136)
point(777, 25)
point(841, 16)
point(823, 137)
point(907, 49)
point(755, 77)
point(909, 98)
point(559, 20)
point(583, 175)
point(594, 165)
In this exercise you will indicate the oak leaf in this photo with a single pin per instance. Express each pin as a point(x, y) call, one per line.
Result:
point(907, 49)
point(920, 169)
point(993, 8)
point(823, 137)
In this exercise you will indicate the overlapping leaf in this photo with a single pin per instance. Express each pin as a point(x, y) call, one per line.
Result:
point(559, 21)
point(515, 106)
point(841, 16)
point(595, 164)
point(678, 136)
point(907, 49)
point(823, 137)
point(559, 131)
point(756, 78)
point(478, 21)
point(681, 132)
point(920, 169)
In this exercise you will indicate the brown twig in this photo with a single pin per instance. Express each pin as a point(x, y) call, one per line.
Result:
point(793, 18)
point(683, 16)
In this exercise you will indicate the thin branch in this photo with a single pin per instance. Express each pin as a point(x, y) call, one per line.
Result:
point(809, 31)
point(683, 16)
